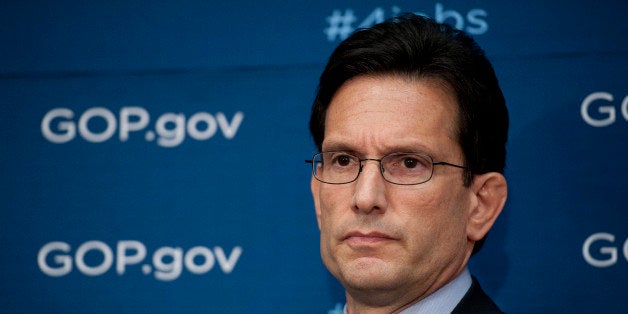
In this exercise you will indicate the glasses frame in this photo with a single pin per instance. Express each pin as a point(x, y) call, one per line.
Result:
point(381, 167)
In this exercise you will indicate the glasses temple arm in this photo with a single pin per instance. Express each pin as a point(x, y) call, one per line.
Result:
point(443, 163)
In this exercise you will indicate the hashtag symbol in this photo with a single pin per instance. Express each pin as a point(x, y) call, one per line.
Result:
point(340, 25)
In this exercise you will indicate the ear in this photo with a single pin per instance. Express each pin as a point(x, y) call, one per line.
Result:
point(315, 186)
point(489, 191)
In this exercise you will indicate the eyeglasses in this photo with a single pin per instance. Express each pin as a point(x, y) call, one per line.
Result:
point(396, 168)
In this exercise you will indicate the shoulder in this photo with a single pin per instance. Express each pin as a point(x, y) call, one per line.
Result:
point(476, 301)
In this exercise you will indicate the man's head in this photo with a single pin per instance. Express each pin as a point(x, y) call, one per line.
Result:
point(409, 85)
point(417, 47)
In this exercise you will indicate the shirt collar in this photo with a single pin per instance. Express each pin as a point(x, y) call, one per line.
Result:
point(445, 299)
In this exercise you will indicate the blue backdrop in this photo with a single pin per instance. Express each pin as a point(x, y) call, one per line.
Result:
point(152, 153)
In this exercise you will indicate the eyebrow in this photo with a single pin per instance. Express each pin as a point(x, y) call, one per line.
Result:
point(402, 148)
point(338, 146)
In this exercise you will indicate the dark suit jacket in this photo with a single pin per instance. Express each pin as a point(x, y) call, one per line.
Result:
point(476, 301)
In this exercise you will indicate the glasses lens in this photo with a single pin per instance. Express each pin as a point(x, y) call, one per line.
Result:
point(336, 167)
point(404, 168)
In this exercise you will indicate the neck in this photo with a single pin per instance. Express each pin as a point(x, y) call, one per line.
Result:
point(396, 300)
point(376, 305)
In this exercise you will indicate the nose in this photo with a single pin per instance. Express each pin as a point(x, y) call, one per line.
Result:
point(370, 189)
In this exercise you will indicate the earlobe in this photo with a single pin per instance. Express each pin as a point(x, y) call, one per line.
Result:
point(314, 186)
point(490, 192)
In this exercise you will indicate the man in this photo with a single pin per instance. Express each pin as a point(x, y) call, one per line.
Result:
point(412, 126)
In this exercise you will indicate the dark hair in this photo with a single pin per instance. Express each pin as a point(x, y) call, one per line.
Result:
point(418, 47)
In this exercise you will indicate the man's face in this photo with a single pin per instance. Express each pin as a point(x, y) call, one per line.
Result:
point(377, 236)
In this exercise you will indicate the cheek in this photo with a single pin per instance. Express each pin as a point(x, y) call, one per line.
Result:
point(328, 209)
point(432, 215)
point(333, 199)
point(328, 213)
point(417, 203)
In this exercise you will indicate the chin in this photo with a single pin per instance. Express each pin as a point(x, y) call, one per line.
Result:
point(367, 273)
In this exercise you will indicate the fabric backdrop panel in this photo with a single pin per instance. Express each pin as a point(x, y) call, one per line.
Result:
point(152, 153)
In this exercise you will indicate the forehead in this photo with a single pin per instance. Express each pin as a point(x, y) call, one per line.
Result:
point(391, 113)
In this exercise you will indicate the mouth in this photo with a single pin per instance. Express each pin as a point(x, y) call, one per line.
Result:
point(358, 238)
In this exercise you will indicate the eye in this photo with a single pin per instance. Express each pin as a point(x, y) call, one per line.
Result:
point(342, 160)
point(405, 162)
point(410, 162)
